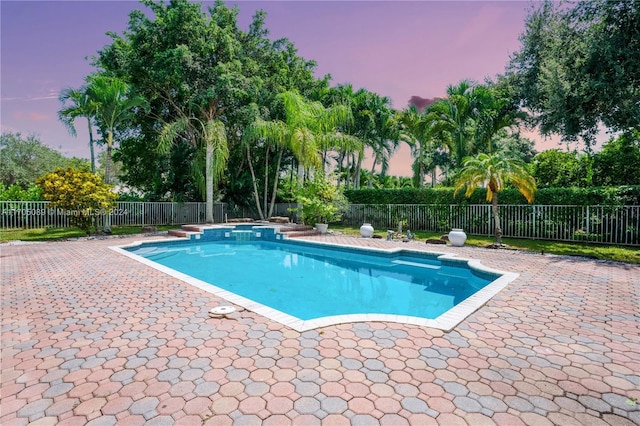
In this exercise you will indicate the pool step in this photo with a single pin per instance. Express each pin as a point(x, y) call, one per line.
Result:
point(310, 233)
point(185, 231)
point(294, 230)
point(179, 233)
point(291, 230)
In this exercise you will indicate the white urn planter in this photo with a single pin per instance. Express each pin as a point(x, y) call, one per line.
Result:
point(457, 237)
point(322, 227)
point(366, 230)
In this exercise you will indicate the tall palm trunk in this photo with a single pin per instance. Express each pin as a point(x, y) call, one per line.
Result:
point(265, 196)
point(356, 175)
point(91, 151)
point(496, 216)
point(373, 171)
point(209, 184)
point(255, 185)
point(275, 184)
point(107, 178)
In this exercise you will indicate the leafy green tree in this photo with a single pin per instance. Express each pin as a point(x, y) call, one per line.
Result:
point(618, 163)
point(23, 160)
point(17, 193)
point(275, 68)
point(515, 144)
point(81, 194)
point(198, 67)
point(558, 169)
point(578, 67)
point(494, 171)
point(77, 103)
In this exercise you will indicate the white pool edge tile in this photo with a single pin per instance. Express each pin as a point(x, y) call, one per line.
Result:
point(446, 321)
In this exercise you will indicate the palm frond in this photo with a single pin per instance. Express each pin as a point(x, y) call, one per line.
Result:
point(169, 134)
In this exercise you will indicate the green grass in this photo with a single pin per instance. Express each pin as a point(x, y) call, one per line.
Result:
point(594, 251)
point(53, 234)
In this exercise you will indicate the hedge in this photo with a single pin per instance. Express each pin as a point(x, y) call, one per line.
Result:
point(618, 195)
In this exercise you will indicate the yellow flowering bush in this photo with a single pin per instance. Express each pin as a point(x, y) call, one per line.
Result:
point(81, 195)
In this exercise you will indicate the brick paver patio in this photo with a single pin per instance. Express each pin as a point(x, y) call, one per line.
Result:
point(92, 337)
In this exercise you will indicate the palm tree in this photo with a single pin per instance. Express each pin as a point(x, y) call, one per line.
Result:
point(495, 171)
point(495, 112)
point(382, 132)
point(77, 103)
point(308, 129)
point(210, 135)
point(113, 103)
point(452, 119)
point(414, 133)
point(274, 135)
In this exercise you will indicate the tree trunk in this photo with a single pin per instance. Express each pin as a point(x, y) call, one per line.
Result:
point(275, 185)
point(91, 151)
point(107, 178)
point(265, 204)
point(496, 217)
point(373, 170)
point(209, 184)
point(356, 175)
point(255, 185)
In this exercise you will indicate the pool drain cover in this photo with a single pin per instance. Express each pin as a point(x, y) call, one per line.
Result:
point(221, 310)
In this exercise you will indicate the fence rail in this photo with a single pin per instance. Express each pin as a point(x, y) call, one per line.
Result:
point(39, 214)
point(598, 224)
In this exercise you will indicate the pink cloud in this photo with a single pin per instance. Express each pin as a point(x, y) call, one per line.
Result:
point(32, 116)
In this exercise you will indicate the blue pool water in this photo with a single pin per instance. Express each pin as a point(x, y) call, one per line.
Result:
point(309, 281)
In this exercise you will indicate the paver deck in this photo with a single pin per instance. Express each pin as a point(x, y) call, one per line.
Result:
point(92, 337)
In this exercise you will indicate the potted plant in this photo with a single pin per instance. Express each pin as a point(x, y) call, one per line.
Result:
point(320, 203)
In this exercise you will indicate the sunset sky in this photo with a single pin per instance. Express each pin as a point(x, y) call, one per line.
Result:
point(395, 48)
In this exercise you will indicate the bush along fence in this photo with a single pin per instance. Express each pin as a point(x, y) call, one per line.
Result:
point(597, 224)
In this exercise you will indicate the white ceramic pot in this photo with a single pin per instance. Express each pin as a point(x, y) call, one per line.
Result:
point(366, 230)
point(457, 237)
point(322, 227)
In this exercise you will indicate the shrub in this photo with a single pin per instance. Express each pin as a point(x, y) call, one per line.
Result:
point(16, 193)
point(614, 195)
point(81, 195)
point(321, 202)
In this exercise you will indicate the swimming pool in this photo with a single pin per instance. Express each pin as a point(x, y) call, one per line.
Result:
point(306, 285)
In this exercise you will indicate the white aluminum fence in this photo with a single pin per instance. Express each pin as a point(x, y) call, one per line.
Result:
point(600, 224)
point(38, 214)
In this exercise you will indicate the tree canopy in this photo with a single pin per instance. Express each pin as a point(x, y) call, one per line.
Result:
point(24, 159)
point(193, 66)
point(579, 68)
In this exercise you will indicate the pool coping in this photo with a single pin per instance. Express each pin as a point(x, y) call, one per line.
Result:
point(446, 321)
